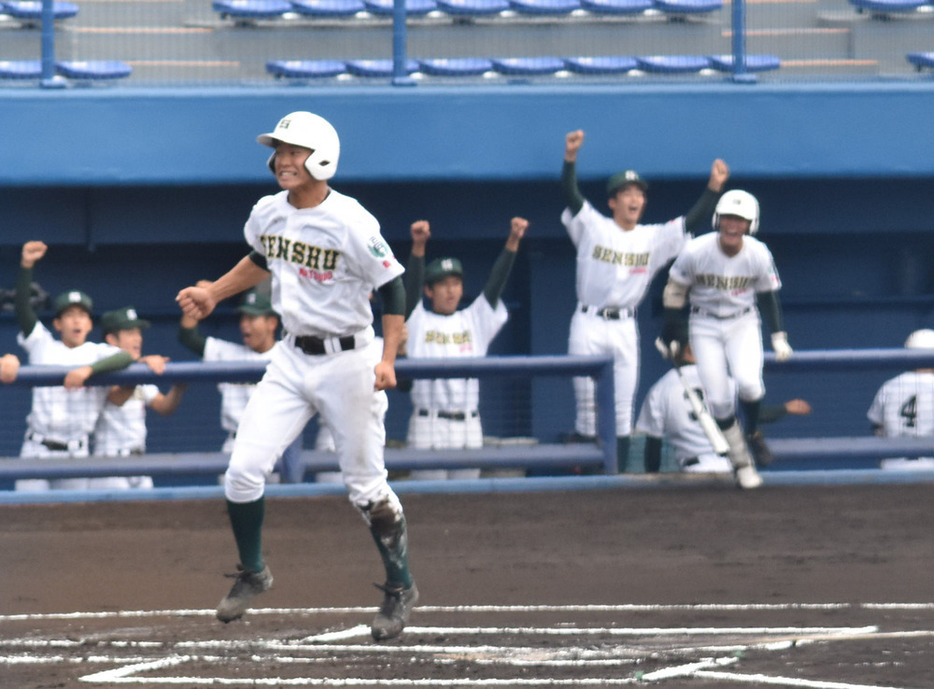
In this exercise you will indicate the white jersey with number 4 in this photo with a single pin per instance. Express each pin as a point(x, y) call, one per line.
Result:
point(904, 406)
point(722, 285)
point(325, 261)
point(616, 266)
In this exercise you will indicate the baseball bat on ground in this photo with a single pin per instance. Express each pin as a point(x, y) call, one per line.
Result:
point(707, 422)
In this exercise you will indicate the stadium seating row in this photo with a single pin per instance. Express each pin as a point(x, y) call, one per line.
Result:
point(91, 70)
point(529, 66)
point(271, 9)
point(30, 11)
point(885, 7)
point(921, 60)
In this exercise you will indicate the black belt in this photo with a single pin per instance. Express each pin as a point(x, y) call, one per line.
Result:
point(315, 345)
point(58, 446)
point(608, 313)
point(690, 461)
point(703, 312)
point(449, 415)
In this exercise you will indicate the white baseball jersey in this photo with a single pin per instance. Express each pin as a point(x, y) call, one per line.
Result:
point(904, 406)
point(324, 261)
point(464, 333)
point(721, 285)
point(667, 413)
point(123, 428)
point(616, 266)
point(59, 414)
point(234, 396)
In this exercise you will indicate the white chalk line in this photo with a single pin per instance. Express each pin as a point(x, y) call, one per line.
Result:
point(130, 668)
point(676, 607)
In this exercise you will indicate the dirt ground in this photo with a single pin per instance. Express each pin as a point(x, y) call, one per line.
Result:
point(684, 586)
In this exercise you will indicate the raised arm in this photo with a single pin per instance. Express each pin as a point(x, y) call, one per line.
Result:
point(503, 266)
point(25, 315)
point(414, 276)
point(707, 203)
point(572, 143)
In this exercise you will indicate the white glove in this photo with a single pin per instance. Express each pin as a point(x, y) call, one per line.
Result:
point(780, 346)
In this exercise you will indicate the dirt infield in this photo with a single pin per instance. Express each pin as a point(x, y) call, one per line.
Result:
point(695, 586)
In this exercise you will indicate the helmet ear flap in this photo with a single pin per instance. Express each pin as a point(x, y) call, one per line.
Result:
point(271, 163)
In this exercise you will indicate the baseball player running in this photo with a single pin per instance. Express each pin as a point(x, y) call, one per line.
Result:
point(727, 274)
point(904, 406)
point(325, 253)
point(121, 426)
point(617, 258)
point(445, 411)
point(62, 418)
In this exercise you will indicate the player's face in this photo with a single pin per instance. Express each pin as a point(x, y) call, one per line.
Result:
point(732, 230)
point(74, 324)
point(130, 341)
point(627, 206)
point(446, 294)
point(289, 165)
point(259, 332)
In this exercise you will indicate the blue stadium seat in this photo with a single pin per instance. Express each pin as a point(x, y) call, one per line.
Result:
point(888, 6)
point(473, 7)
point(673, 64)
point(544, 6)
point(305, 69)
point(921, 60)
point(328, 8)
point(413, 8)
point(528, 66)
point(617, 6)
point(754, 63)
point(679, 7)
point(251, 9)
point(20, 69)
point(601, 65)
point(456, 66)
point(377, 68)
point(93, 70)
point(31, 10)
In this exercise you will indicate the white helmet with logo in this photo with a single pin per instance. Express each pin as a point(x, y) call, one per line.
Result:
point(920, 339)
point(740, 203)
point(307, 130)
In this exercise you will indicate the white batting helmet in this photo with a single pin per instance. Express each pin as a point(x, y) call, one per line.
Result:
point(307, 130)
point(740, 203)
point(920, 339)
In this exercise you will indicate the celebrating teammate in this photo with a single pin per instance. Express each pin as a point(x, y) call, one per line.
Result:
point(324, 252)
point(904, 406)
point(728, 273)
point(445, 411)
point(121, 426)
point(62, 418)
point(616, 260)
point(666, 414)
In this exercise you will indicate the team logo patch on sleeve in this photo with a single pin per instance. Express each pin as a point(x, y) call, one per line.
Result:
point(378, 247)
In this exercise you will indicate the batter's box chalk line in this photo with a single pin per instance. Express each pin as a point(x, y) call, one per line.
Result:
point(607, 655)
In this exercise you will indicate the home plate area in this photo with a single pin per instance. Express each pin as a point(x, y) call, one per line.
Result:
point(833, 646)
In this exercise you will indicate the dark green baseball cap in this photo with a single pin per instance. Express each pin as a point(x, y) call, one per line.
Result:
point(122, 319)
point(72, 298)
point(622, 179)
point(441, 268)
point(255, 303)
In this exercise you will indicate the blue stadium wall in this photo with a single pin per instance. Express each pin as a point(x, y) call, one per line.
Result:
point(140, 192)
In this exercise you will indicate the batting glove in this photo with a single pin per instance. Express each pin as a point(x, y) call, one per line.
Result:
point(780, 346)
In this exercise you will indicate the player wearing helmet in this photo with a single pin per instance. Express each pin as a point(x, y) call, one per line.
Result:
point(904, 406)
point(730, 277)
point(325, 253)
point(616, 260)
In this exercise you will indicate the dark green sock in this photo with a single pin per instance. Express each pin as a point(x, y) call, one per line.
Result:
point(622, 453)
point(392, 541)
point(751, 415)
point(246, 520)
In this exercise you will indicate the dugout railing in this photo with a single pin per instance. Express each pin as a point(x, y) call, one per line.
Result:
point(596, 457)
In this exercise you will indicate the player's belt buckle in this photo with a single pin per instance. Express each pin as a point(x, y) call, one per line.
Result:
point(608, 313)
point(317, 346)
point(59, 445)
point(450, 415)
